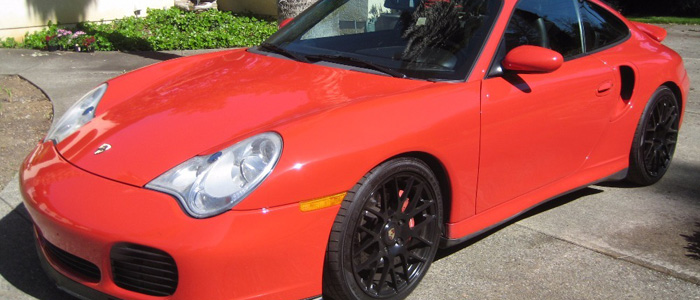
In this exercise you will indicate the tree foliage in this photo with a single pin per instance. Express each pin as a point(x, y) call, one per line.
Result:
point(680, 8)
point(287, 9)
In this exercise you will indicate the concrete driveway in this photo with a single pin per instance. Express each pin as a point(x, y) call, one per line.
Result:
point(608, 241)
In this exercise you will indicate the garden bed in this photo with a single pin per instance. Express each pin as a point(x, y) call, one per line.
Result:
point(161, 29)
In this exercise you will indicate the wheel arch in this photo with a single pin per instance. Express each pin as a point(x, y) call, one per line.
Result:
point(639, 172)
point(340, 241)
point(676, 91)
point(438, 168)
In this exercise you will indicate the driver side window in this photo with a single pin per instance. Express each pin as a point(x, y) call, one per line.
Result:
point(550, 24)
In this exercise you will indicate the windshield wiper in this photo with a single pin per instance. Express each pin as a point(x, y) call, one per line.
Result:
point(345, 60)
point(279, 50)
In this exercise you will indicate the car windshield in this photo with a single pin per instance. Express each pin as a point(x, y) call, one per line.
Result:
point(423, 39)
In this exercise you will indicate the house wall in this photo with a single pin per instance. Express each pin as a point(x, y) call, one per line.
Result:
point(20, 16)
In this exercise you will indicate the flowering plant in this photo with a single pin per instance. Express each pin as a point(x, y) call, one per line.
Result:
point(82, 41)
point(51, 41)
point(63, 32)
point(77, 35)
point(64, 38)
point(88, 40)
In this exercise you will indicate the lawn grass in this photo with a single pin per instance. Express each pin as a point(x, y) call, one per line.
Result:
point(666, 20)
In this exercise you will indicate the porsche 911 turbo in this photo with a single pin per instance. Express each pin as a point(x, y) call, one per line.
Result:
point(336, 157)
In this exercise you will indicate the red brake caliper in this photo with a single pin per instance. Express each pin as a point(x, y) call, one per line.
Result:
point(411, 222)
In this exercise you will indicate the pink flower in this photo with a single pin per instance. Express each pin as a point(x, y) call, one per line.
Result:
point(63, 32)
point(77, 34)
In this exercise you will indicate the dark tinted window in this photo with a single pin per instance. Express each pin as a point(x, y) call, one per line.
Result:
point(601, 27)
point(551, 24)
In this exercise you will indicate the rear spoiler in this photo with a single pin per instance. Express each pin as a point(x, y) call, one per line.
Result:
point(655, 32)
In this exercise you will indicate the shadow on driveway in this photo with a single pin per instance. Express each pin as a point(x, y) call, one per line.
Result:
point(162, 56)
point(554, 203)
point(681, 182)
point(693, 243)
point(19, 264)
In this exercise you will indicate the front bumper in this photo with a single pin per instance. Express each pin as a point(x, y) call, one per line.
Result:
point(274, 253)
point(66, 284)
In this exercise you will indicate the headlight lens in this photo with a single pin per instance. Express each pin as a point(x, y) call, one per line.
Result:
point(77, 115)
point(209, 185)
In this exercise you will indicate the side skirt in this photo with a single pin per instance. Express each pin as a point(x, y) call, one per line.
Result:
point(447, 242)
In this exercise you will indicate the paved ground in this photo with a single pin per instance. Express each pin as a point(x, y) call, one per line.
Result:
point(604, 242)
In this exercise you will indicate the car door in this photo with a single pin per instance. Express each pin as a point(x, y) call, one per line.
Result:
point(539, 128)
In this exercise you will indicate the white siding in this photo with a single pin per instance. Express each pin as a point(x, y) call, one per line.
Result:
point(20, 16)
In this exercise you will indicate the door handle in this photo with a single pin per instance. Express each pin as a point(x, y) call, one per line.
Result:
point(604, 88)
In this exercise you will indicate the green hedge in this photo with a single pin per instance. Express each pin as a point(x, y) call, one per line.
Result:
point(667, 20)
point(169, 29)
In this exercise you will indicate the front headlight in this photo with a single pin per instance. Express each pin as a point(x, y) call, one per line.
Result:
point(77, 115)
point(209, 185)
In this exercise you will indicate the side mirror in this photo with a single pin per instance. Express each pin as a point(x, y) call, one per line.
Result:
point(532, 59)
point(285, 22)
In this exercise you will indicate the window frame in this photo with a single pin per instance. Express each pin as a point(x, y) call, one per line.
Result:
point(583, 30)
point(464, 75)
point(498, 57)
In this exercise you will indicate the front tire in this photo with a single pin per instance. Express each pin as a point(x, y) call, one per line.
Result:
point(386, 233)
point(655, 139)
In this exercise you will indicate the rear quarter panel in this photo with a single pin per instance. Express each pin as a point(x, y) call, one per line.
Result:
point(654, 65)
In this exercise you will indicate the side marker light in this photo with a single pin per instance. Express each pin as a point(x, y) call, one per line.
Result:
point(319, 203)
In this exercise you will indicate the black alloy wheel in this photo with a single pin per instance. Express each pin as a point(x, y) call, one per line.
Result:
point(655, 139)
point(386, 233)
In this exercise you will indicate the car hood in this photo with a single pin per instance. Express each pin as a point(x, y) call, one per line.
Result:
point(160, 116)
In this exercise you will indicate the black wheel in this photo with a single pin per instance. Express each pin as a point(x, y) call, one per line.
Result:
point(655, 139)
point(386, 233)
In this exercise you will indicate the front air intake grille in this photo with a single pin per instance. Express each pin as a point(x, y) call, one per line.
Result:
point(143, 269)
point(71, 263)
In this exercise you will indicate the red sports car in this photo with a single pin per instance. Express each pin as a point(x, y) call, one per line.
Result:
point(338, 156)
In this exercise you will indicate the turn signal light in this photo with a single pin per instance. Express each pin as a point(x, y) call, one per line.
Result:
point(323, 202)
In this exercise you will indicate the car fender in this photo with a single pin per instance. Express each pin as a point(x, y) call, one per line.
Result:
point(330, 152)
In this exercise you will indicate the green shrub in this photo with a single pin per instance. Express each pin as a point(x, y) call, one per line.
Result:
point(9, 43)
point(168, 29)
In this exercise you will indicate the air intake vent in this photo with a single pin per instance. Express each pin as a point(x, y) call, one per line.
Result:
point(627, 79)
point(71, 263)
point(143, 269)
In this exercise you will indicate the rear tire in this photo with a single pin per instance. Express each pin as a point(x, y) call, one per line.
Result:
point(386, 233)
point(655, 138)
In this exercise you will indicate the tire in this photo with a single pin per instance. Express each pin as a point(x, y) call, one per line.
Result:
point(655, 139)
point(384, 239)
